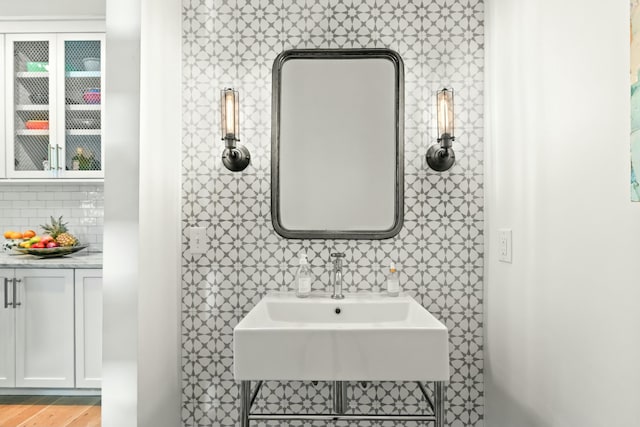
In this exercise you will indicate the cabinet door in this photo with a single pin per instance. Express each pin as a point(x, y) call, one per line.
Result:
point(81, 106)
point(88, 328)
point(30, 122)
point(7, 335)
point(45, 328)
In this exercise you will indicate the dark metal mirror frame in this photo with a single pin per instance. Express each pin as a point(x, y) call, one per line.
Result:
point(278, 63)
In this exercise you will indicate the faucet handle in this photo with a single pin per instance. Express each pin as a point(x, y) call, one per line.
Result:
point(337, 255)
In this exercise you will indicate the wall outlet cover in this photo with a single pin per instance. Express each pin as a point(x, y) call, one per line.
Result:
point(197, 240)
point(504, 245)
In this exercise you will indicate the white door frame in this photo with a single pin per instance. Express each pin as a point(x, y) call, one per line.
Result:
point(142, 130)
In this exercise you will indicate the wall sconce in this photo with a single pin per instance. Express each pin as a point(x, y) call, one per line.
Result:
point(441, 157)
point(234, 157)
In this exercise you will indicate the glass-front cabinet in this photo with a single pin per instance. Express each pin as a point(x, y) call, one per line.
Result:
point(54, 105)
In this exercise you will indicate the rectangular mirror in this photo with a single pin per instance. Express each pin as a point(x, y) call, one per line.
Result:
point(337, 144)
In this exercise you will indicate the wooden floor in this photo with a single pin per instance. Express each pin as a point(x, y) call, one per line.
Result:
point(49, 411)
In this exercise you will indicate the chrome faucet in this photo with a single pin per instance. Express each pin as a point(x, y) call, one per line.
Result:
point(337, 275)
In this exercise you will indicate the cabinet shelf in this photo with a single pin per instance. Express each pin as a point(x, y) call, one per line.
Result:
point(82, 74)
point(33, 132)
point(32, 74)
point(86, 132)
point(83, 107)
point(32, 107)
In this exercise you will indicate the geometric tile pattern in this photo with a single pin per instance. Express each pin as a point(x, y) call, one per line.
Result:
point(439, 251)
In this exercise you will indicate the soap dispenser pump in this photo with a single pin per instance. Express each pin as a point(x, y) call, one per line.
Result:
point(303, 278)
point(393, 282)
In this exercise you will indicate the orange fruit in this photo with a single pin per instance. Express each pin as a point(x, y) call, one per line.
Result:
point(28, 234)
point(15, 235)
point(7, 234)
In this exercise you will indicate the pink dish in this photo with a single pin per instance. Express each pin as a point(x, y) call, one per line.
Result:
point(91, 97)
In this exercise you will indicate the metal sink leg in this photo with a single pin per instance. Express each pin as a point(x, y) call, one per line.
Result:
point(245, 403)
point(340, 405)
point(339, 397)
point(440, 392)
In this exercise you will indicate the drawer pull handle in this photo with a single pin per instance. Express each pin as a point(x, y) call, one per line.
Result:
point(7, 304)
point(15, 293)
point(58, 157)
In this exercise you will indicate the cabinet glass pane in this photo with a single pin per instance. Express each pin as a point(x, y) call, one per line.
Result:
point(83, 112)
point(31, 100)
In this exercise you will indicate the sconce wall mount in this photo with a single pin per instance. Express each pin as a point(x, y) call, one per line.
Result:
point(440, 156)
point(235, 157)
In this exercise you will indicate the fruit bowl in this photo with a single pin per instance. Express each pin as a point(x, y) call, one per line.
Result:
point(51, 252)
point(10, 244)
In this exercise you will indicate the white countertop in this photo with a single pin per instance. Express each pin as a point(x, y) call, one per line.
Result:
point(82, 259)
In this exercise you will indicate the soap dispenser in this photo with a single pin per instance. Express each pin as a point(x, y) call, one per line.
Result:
point(393, 282)
point(303, 278)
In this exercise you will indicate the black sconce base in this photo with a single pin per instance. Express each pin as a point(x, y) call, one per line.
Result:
point(236, 159)
point(440, 159)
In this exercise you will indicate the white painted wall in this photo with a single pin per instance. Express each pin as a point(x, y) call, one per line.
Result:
point(159, 345)
point(141, 356)
point(562, 343)
point(141, 343)
point(122, 274)
point(50, 8)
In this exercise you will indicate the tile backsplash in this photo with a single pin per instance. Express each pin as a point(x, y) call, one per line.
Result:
point(26, 206)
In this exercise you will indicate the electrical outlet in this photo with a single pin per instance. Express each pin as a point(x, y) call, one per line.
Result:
point(197, 240)
point(504, 245)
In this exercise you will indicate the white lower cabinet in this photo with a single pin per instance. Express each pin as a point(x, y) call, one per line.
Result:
point(7, 331)
point(88, 328)
point(41, 304)
point(47, 332)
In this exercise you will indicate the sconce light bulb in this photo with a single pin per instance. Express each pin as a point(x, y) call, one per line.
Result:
point(234, 157)
point(440, 156)
point(445, 113)
point(230, 112)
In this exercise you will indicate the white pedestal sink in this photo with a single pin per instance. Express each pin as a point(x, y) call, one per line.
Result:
point(365, 337)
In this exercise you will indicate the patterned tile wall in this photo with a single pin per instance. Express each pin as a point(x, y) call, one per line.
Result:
point(439, 250)
point(26, 206)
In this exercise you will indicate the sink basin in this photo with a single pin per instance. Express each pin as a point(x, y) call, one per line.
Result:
point(369, 337)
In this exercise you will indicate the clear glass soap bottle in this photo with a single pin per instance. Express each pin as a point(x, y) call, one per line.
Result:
point(303, 278)
point(393, 282)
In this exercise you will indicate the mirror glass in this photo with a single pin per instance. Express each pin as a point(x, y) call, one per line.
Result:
point(337, 144)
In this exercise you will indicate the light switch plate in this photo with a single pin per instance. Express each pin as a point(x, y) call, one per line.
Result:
point(504, 245)
point(197, 240)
